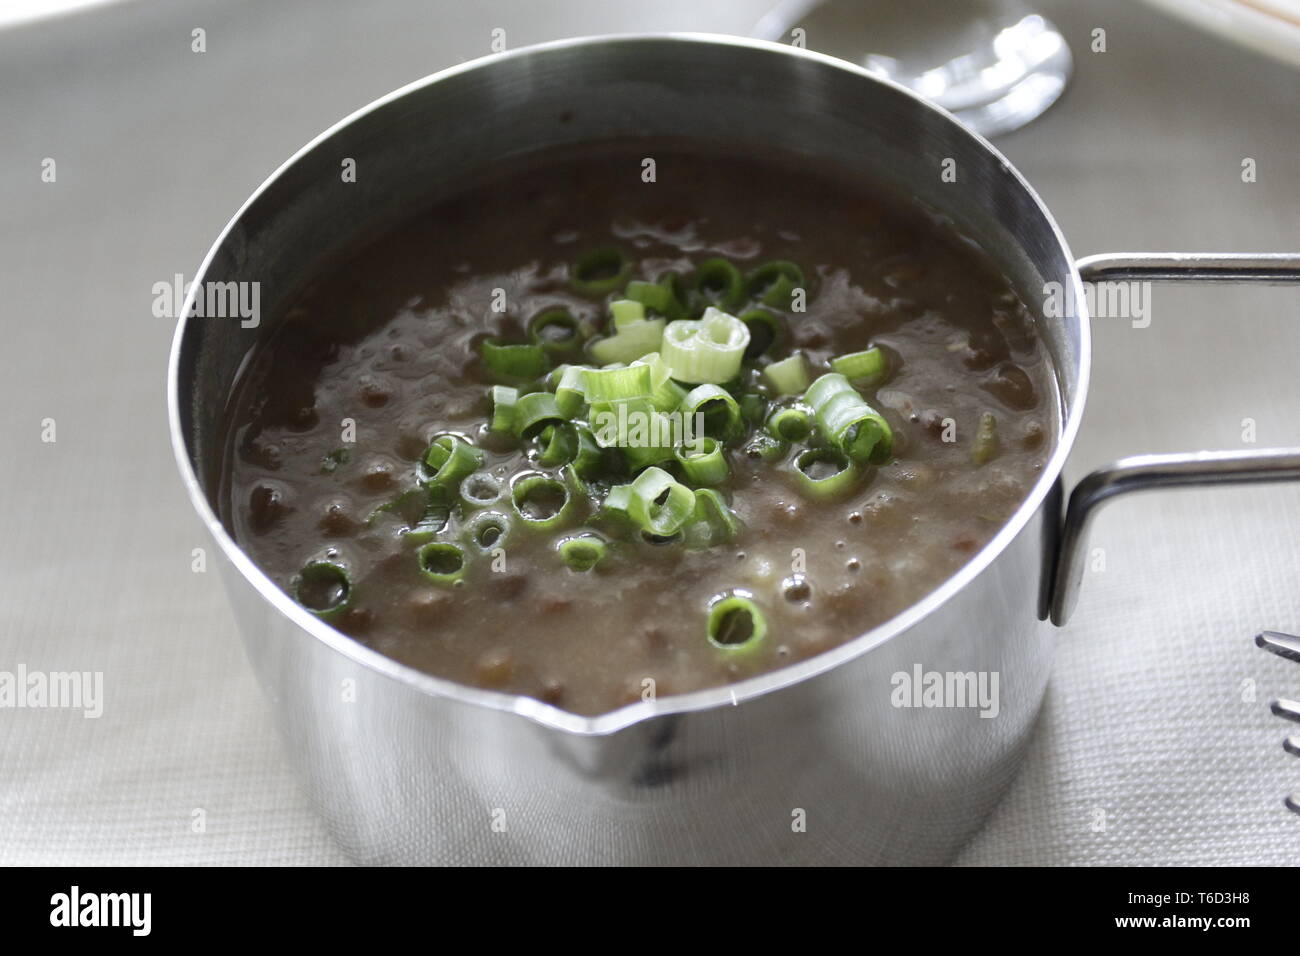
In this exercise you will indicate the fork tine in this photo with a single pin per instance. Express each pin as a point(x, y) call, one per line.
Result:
point(1289, 709)
point(1283, 645)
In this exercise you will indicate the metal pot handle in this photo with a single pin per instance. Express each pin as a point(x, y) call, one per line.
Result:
point(1143, 472)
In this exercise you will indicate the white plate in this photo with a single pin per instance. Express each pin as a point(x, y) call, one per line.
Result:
point(1270, 26)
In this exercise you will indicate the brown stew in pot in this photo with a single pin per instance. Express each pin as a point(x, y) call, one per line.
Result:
point(591, 438)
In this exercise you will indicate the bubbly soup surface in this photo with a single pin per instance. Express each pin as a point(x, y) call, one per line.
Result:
point(332, 425)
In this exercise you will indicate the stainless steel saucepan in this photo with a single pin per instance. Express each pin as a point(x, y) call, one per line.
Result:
point(809, 764)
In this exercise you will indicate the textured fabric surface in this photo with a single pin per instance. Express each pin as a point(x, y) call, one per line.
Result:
point(1156, 723)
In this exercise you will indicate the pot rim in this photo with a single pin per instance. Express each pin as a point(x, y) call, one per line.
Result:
point(729, 694)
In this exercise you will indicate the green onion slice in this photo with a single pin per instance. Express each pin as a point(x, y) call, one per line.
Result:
point(600, 272)
point(559, 444)
point(628, 343)
point(712, 522)
point(633, 424)
point(665, 394)
point(722, 418)
point(625, 312)
point(540, 501)
point(324, 588)
point(513, 362)
point(753, 406)
point(501, 417)
point(866, 368)
point(825, 473)
point(640, 456)
point(766, 329)
point(658, 297)
point(448, 460)
point(766, 447)
point(850, 423)
point(736, 623)
point(773, 283)
point(488, 530)
point(616, 384)
point(617, 502)
point(790, 423)
point(535, 412)
point(720, 284)
point(555, 330)
point(582, 552)
point(703, 462)
point(589, 460)
point(570, 391)
point(985, 447)
point(658, 503)
point(413, 506)
point(480, 490)
point(707, 350)
point(441, 562)
point(788, 376)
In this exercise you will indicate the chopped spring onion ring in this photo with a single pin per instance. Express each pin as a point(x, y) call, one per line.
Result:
point(540, 501)
point(712, 522)
point(616, 502)
point(722, 419)
point(555, 330)
point(720, 283)
point(643, 433)
point(629, 343)
point(985, 447)
point(324, 588)
point(659, 504)
point(570, 391)
point(657, 297)
point(707, 350)
point(639, 456)
point(415, 506)
point(441, 562)
point(788, 376)
point(488, 530)
point(616, 384)
point(791, 423)
point(753, 406)
point(665, 394)
point(600, 272)
point(421, 533)
point(825, 472)
point(866, 368)
point(736, 623)
point(682, 296)
point(480, 490)
point(582, 552)
point(513, 362)
point(448, 460)
point(535, 412)
point(501, 417)
point(765, 330)
point(635, 426)
point(850, 423)
point(703, 463)
point(559, 444)
point(773, 283)
point(589, 459)
point(766, 447)
point(625, 312)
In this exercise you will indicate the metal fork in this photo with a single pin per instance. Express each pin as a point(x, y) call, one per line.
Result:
point(1288, 646)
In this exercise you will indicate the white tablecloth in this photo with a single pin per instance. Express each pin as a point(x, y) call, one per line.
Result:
point(1148, 719)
